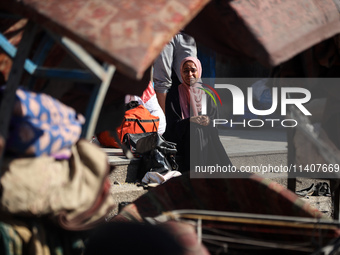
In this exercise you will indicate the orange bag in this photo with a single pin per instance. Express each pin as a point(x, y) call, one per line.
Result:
point(136, 120)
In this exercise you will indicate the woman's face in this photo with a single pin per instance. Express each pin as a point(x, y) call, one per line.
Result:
point(189, 73)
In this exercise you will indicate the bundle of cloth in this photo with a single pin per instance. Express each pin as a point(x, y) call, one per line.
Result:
point(49, 174)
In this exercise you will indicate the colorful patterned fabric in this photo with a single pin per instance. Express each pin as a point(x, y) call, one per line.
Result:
point(41, 125)
point(10, 240)
point(35, 237)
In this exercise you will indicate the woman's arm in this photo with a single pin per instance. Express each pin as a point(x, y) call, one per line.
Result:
point(176, 126)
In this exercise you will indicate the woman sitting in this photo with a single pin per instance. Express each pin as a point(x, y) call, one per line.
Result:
point(196, 138)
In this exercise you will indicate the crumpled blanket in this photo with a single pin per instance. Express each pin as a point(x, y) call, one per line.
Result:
point(74, 193)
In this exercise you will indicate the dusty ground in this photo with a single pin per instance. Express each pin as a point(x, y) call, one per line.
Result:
point(322, 203)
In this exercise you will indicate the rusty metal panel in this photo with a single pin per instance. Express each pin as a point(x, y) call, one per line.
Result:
point(127, 33)
point(285, 28)
point(269, 31)
point(131, 33)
